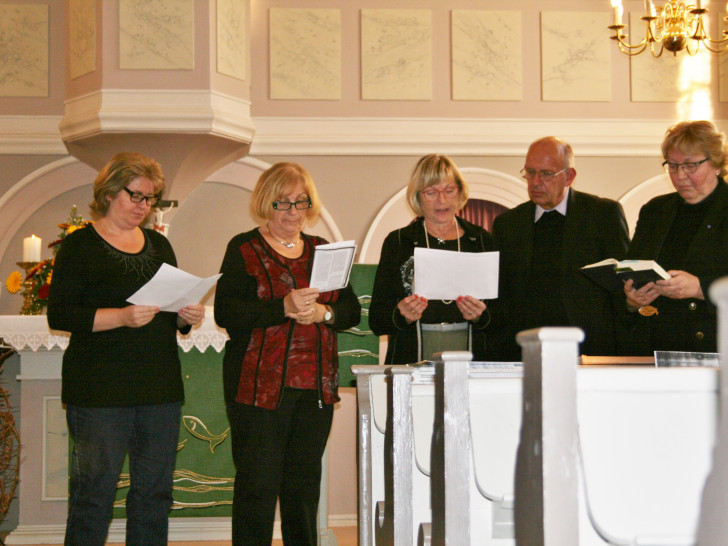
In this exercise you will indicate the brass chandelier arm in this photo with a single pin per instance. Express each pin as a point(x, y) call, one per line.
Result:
point(675, 27)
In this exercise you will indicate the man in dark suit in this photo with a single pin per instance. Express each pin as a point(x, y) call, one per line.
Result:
point(543, 243)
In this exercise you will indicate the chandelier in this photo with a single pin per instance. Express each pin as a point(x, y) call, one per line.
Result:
point(677, 26)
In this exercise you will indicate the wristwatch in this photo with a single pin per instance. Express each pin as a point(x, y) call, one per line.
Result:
point(328, 314)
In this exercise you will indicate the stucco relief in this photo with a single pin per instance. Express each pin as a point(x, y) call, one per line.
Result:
point(305, 53)
point(396, 54)
point(156, 35)
point(232, 38)
point(670, 78)
point(82, 37)
point(23, 50)
point(486, 55)
point(575, 56)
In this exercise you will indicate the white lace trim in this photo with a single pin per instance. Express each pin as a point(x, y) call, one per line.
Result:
point(32, 332)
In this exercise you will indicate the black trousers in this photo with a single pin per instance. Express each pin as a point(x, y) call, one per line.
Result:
point(277, 455)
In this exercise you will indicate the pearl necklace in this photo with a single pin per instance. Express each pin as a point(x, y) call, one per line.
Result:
point(285, 244)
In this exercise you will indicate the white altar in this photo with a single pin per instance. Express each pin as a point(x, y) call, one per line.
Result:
point(42, 493)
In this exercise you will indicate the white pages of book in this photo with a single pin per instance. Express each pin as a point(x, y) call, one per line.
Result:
point(445, 274)
point(332, 265)
point(171, 289)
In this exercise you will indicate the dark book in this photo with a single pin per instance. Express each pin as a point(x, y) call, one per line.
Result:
point(611, 274)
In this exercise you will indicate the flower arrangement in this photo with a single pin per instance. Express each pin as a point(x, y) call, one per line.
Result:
point(37, 283)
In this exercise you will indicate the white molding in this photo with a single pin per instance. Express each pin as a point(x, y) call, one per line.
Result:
point(31, 135)
point(205, 111)
point(410, 136)
point(157, 111)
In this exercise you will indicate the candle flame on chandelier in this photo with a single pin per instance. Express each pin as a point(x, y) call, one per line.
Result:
point(676, 26)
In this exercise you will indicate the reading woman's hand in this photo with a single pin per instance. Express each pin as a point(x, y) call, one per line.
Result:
point(639, 298)
point(300, 300)
point(192, 314)
point(470, 308)
point(681, 284)
point(412, 307)
point(136, 316)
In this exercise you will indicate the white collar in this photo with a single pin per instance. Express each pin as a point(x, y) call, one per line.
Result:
point(560, 208)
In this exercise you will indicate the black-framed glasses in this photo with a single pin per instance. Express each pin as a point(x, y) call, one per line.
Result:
point(286, 205)
point(689, 167)
point(544, 174)
point(137, 197)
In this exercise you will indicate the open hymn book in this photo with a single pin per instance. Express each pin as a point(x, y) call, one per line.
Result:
point(611, 274)
point(332, 265)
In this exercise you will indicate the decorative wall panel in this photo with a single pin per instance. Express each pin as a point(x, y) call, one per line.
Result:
point(486, 55)
point(305, 53)
point(396, 54)
point(82, 37)
point(232, 38)
point(576, 56)
point(668, 78)
point(23, 50)
point(156, 35)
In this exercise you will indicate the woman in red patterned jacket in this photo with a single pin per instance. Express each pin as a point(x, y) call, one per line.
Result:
point(280, 365)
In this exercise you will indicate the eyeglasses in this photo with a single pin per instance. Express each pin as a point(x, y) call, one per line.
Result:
point(689, 167)
point(286, 205)
point(543, 174)
point(137, 197)
point(433, 193)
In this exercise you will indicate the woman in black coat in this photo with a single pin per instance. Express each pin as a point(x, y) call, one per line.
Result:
point(686, 232)
point(417, 328)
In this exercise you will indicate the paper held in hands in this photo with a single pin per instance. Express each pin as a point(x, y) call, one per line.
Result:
point(445, 275)
point(171, 289)
point(332, 265)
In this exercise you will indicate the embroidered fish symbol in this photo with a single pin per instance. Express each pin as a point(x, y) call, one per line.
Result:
point(198, 429)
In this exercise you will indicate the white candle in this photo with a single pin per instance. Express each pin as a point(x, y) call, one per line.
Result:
point(31, 249)
point(617, 10)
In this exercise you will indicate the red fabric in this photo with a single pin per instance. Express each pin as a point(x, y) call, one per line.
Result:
point(481, 213)
point(289, 353)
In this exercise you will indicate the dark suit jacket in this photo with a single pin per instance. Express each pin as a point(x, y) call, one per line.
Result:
point(594, 229)
point(685, 324)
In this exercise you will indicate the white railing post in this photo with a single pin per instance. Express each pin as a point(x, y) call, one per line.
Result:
point(713, 525)
point(546, 502)
point(451, 451)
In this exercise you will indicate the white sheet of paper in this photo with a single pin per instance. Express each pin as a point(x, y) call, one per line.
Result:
point(172, 289)
point(332, 265)
point(445, 274)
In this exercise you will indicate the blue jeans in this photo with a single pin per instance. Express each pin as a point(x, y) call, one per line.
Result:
point(102, 437)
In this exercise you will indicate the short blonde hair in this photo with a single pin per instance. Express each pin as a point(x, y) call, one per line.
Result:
point(431, 170)
point(273, 185)
point(118, 173)
point(697, 137)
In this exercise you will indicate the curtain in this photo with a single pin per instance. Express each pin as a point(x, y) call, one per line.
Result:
point(481, 212)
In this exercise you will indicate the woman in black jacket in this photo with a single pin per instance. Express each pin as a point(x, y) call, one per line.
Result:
point(417, 328)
